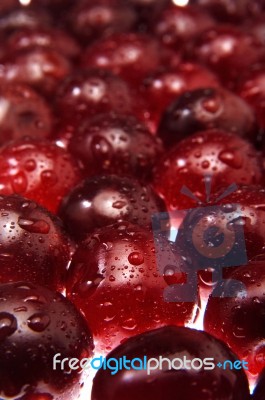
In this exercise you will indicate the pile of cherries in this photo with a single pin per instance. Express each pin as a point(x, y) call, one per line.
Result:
point(111, 112)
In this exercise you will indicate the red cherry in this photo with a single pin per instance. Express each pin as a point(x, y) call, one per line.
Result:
point(23, 113)
point(89, 92)
point(98, 18)
point(38, 170)
point(56, 39)
point(260, 388)
point(162, 87)
point(177, 25)
point(114, 279)
point(172, 343)
point(203, 109)
point(104, 200)
point(147, 12)
point(33, 244)
point(115, 144)
point(43, 68)
point(225, 156)
point(129, 55)
point(224, 49)
point(35, 325)
point(237, 315)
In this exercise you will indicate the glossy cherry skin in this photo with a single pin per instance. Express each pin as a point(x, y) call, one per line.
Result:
point(224, 49)
point(160, 88)
point(226, 157)
point(104, 200)
point(114, 279)
point(38, 170)
point(252, 89)
point(56, 39)
point(260, 388)
point(170, 343)
point(239, 319)
point(177, 25)
point(203, 109)
point(89, 92)
point(36, 324)
point(129, 55)
point(94, 19)
point(33, 244)
point(23, 113)
point(116, 144)
point(42, 68)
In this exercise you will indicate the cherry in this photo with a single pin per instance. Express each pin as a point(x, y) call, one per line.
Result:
point(23, 113)
point(35, 325)
point(114, 279)
point(252, 89)
point(33, 244)
point(163, 86)
point(129, 55)
point(172, 343)
point(235, 314)
point(225, 156)
point(147, 12)
point(94, 19)
point(116, 144)
point(104, 200)
point(38, 170)
point(224, 49)
point(260, 388)
point(177, 25)
point(43, 68)
point(203, 109)
point(89, 92)
point(56, 39)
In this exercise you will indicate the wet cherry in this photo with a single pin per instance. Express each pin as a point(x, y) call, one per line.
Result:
point(203, 109)
point(114, 279)
point(35, 325)
point(104, 200)
point(260, 388)
point(38, 170)
point(115, 144)
point(33, 245)
point(225, 156)
point(170, 343)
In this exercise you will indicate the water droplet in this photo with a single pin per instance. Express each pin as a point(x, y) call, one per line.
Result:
point(19, 183)
point(8, 325)
point(30, 165)
point(119, 204)
point(136, 258)
point(205, 164)
point(232, 159)
point(49, 178)
point(129, 324)
point(38, 322)
point(211, 104)
point(34, 225)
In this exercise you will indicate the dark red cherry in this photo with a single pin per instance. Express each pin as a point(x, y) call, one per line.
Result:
point(114, 279)
point(235, 313)
point(23, 113)
point(33, 245)
point(38, 170)
point(35, 325)
point(162, 87)
point(55, 39)
point(147, 11)
point(43, 68)
point(91, 20)
point(104, 200)
point(259, 391)
point(89, 92)
point(177, 25)
point(116, 144)
point(129, 55)
point(203, 109)
point(169, 344)
point(232, 11)
point(224, 49)
point(252, 89)
point(226, 157)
